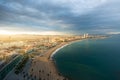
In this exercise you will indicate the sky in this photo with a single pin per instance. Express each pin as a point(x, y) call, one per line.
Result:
point(59, 17)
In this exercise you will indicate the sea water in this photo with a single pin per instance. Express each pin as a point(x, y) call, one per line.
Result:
point(92, 59)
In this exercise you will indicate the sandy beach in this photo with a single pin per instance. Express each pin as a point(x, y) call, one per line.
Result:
point(43, 68)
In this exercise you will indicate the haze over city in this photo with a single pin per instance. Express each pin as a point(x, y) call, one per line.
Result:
point(59, 16)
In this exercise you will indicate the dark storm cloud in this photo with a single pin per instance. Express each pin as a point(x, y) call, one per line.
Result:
point(61, 15)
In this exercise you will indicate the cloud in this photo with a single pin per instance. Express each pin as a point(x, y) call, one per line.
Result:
point(113, 33)
point(78, 16)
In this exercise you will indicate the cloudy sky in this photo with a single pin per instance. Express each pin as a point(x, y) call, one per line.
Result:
point(59, 16)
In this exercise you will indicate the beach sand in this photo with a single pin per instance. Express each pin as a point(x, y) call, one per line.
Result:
point(43, 68)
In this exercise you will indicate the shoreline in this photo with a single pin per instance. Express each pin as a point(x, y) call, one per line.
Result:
point(45, 67)
point(52, 55)
point(59, 47)
point(67, 43)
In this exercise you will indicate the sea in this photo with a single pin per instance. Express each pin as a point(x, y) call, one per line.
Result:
point(90, 59)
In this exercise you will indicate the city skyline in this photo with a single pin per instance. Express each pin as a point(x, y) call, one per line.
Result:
point(57, 17)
